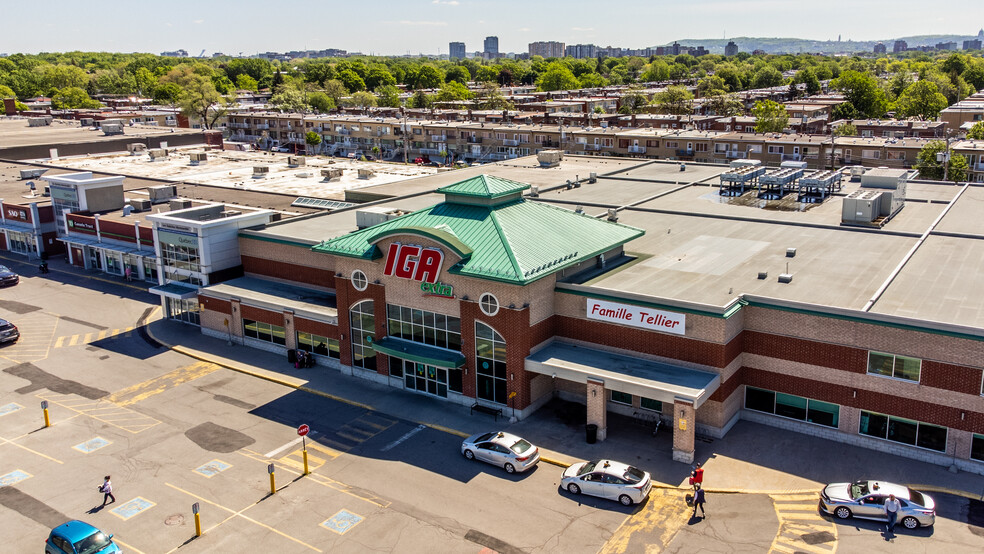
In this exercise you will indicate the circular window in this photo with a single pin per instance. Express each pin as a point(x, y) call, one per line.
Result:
point(359, 280)
point(489, 304)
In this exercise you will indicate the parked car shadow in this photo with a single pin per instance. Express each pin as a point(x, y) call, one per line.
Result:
point(877, 526)
point(601, 503)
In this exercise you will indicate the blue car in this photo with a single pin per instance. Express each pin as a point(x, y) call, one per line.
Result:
point(78, 537)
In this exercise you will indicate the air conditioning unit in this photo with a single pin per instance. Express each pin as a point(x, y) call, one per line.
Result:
point(374, 215)
point(198, 158)
point(162, 193)
point(180, 204)
point(136, 148)
point(141, 204)
point(260, 171)
point(330, 174)
point(296, 161)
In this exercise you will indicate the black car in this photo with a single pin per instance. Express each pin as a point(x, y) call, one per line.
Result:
point(8, 277)
point(8, 331)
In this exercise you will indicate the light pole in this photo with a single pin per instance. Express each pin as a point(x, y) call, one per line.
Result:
point(945, 156)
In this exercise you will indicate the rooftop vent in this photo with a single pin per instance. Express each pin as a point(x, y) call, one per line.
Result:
point(763, 275)
point(790, 252)
point(785, 277)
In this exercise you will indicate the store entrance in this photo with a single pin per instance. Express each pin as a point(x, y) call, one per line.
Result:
point(427, 379)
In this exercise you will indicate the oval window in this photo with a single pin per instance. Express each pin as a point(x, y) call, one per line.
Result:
point(359, 280)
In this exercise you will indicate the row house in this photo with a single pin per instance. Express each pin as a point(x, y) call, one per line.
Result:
point(892, 128)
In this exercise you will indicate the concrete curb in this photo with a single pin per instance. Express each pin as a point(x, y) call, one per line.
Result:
point(946, 490)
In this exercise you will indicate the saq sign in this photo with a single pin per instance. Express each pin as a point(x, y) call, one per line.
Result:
point(645, 318)
point(418, 263)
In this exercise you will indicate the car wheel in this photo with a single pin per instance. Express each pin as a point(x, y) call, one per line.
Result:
point(910, 522)
point(625, 500)
point(509, 468)
point(574, 489)
point(842, 512)
point(469, 455)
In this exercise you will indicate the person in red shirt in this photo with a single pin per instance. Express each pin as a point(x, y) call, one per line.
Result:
point(697, 476)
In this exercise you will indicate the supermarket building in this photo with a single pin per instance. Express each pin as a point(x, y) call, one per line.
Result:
point(664, 299)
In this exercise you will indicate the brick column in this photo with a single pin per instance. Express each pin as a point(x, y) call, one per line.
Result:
point(597, 407)
point(236, 319)
point(291, 336)
point(683, 430)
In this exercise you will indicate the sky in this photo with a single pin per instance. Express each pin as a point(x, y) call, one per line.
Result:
point(393, 27)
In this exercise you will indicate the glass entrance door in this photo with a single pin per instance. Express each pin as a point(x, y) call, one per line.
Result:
point(427, 379)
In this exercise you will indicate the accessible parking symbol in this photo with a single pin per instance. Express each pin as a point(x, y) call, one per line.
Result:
point(92, 445)
point(15, 476)
point(9, 408)
point(212, 468)
point(132, 508)
point(342, 522)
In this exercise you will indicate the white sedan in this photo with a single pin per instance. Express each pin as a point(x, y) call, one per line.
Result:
point(501, 449)
point(607, 479)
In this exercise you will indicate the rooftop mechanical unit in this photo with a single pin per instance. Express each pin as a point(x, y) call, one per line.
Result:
point(550, 158)
point(374, 215)
point(180, 204)
point(296, 161)
point(136, 148)
point(32, 173)
point(157, 153)
point(332, 173)
point(38, 122)
point(162, 193)
point(140, 204)
point(367, 173)
point(110, 129)
point(198, 158)
point(260, 171)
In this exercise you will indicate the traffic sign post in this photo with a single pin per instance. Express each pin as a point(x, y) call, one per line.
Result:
point(303, 430)
point(44, 408)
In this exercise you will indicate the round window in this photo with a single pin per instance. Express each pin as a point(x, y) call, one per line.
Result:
point(359, 280)
point(489, 304)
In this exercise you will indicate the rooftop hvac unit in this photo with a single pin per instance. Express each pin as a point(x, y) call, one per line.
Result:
point(856, 173)
point(374, 215)
point(367, 173)
point(330, 174)
point(592, 177)
point(198, 158)
point(162, 193)
point(87, 122)
point(260, 171)
point(157, 153)
point(37, 122)
point(296, 161)
point(136, 148)
point(231, 213)
point(32, 173)
point(110, 129)
point(550, 158)
point(180, 204)
point(861, 206)
point(141, 204)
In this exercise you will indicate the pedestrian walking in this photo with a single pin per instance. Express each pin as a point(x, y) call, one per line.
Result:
point(128, 273)
point(892, 506)
point(107, 489)
point(699, 501)
point(697, 477)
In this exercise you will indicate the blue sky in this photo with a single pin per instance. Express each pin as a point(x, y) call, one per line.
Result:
point(396, 27)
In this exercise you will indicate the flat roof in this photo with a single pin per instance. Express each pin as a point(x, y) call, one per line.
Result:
point(16, 132)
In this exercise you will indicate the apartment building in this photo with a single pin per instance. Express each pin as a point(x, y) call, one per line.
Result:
point(547, 49)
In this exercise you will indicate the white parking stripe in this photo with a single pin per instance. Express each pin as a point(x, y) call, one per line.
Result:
point(273, 453)
point(409, 434)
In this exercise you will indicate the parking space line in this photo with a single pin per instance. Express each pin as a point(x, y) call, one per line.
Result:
point(320, 479)
point(21, 446)
point(273, 453)
point(799, 519)
point(127, 547)
point(104, 411)
point(240, 514)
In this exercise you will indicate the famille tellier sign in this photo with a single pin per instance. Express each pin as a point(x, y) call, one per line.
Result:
point(636, 316)
point(418, 263)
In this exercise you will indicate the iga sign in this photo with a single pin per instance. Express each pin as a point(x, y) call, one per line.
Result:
point(645, 318)
point(418, 263)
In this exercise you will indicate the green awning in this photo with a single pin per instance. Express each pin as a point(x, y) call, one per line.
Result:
point(420, 353)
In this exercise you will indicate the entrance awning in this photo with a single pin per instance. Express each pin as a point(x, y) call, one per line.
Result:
point(656, 380)
point(420, 353)
point(174, 290)
point(108, 246)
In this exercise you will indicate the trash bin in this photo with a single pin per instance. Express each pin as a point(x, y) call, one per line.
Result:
point(291, 356)
point(591, 432)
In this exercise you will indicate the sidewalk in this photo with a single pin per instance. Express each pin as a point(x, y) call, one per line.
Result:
point(752, 458)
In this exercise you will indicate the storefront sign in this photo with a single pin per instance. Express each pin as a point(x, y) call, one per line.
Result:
point(19, 215)
point(636, 316)
point(418, 263)
point(63, 194)
point(82, 226)
point(177, 239)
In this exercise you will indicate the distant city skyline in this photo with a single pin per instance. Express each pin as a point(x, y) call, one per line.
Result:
point(427, 26)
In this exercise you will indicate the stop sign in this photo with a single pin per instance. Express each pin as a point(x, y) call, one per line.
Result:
point(303, 430)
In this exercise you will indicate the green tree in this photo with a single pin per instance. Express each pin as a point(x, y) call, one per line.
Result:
point(844, 110)
point(732, 78)
point(767, 77)
point(167, 94)
point(361, 99)
point(6, 92)
point(378, 76)
point(711, 86)
point(351, 80)
point(312, 139)
point(557, 77)
point(974, 75)
point(453, 91)
point(63, 76)
point(931, 168)
point(808, 78)
point(921, 99)
point(898, 83)
point(72, 98)
point(389, 96)
point(633, 101)
point(200, 99)
point(976, 132)
point(846, 130)
point(320, 102)
point(289, 99)
point(335, 90)
point(246, 82)
point(675, 100)
point(770, 117)
point(487, 74)
point(457, 74)
point(863, 92)
point(146, 81)
point(420, 99)
point(655, 72)
point(429, 77)
point(725, 105)
point(491, 98)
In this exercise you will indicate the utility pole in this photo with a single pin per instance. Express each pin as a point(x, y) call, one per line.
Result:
point(946, 158)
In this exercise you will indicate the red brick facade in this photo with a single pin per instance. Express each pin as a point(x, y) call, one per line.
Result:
point(288, 272)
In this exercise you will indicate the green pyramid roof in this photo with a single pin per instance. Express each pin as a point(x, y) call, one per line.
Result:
point(484, 186)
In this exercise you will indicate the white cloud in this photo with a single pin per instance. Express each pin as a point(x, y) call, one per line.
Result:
point(446, 2)
point(425, 23)
point(198, 21)
point(583, 29)
point(526, 29)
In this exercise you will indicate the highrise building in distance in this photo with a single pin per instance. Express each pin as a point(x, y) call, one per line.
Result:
point(491, 47)
point(731, 49)
point(456, 50)
point(547, 49)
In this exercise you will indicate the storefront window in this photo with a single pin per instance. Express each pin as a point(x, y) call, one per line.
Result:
point(791, 406)
point(316, 344)
point(264, 331)
point(424, 327)
point(905, 431)
point(181, 256)
point(363, 322)
point(186, 310)
point(621, 398)
point(490, 358)
point(650, 404)
point(891, 365)
point(977, 448)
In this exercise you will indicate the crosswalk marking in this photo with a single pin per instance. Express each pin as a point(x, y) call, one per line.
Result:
point(662, 514)
point(296, 458)
point(103, 410)
point(799, 517)
point(89, 338)
point(141, 391)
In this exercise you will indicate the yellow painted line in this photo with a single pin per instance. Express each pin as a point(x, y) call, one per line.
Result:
point(141, 391)
point(247, 518)
point(32, 451)
point(59, 342)
point(75, 340)
point(102, 335)
point(126, 547)
point(797, 518)
point(661, 512)
point(325, 450)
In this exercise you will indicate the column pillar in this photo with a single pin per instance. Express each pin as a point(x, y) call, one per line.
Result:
point(597, 407)
point(236, 319)
point(291, 337)
point(684, 418)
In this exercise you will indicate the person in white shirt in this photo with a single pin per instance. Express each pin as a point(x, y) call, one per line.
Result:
point(892, 506)
point(107, 489)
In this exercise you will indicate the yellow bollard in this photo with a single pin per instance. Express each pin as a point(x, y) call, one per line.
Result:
point(47, 421)
point(306, 471)
point(273, 480)
point(198, 525)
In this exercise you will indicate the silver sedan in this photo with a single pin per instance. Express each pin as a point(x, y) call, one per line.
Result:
point(866, 500)
point(501, 449)
point(607, 479)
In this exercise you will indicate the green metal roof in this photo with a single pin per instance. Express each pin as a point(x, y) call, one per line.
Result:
point(515, 242)
point(420, 353)
point(484, 186)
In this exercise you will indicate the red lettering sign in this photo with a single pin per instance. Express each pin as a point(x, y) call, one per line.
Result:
point(413, 262)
